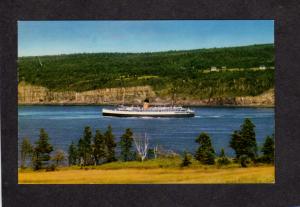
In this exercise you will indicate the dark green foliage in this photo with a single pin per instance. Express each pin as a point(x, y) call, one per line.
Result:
point(244, 160)
point(268, 150)
point(99, 147)
point(110, 144)
point(150, 154)
point(223, 160)
point(126, 145)
point(186, 161)
point(26, 151)
point(51, 167)
point(205, 153)
point(42, 150)
point(72, 154)
point(81, 72)
point(85, 147)
point(243, 141)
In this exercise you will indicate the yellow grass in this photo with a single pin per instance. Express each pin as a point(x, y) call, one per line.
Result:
point(259, 174)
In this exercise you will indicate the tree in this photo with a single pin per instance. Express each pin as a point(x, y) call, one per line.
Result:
point(26, 151)
point(141, 145)
point(126, 145)
point(42, 150)
point(110, 144)
point(85, 147)
point(72, 154)
point(243, 141)
point(99, 147)
point(205, 153)
point(186, 161)
point(223, 160)
point(268, 150)
point(59, 156)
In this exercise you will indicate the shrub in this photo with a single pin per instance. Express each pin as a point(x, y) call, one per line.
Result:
point(186, 161)
point(223, 160)
point(205, 153)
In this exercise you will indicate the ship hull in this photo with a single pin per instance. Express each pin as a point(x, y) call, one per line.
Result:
point(145, 114)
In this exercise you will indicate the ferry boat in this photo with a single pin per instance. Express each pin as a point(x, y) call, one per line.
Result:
point(148, 111)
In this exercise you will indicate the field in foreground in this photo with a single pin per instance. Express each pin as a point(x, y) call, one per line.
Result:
point(135, 173)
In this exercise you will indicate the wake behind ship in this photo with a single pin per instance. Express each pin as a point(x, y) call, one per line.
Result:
point(147, 111)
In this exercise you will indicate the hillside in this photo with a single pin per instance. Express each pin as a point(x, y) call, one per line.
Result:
point(184, 73)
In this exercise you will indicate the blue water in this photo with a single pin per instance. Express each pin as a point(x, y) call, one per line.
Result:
point(65, 124)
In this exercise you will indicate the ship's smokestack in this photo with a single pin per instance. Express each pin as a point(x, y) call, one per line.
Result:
point(146, 104)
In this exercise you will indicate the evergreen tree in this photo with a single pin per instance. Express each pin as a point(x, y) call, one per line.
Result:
point(72, 154)
point(268, 150)
point(42, 150)
point(205, 153)
point(243, 141)
point(99, 147)
point(223, 160)
point(26, 151)
point(126, 145)
point(85, 146)
point(186, 161)
point(110, 144)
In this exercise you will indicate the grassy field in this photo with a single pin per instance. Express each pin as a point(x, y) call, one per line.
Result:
point(159, 171)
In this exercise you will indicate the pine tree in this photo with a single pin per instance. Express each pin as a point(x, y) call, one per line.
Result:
point(42, 150)
point(72, 154)
point(186, 161)
point(85, 146)
point(126, 145)
point(99, 147)
point(26, 151)
point(205, 153)
point(243, 141)
point(110, 144)
point(268, 150)
point(248, 134)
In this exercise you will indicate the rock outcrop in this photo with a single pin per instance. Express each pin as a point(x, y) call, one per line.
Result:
point(30, 94)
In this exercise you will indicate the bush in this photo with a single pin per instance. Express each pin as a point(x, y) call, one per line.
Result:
point(223, 160)
point(205, 153)
point(186, 161)
point(244, 160)
point(51, 167)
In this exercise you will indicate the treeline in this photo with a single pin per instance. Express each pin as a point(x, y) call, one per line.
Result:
point(101, 148)
point(39, 154)
point(81, 72)
point(243, 142)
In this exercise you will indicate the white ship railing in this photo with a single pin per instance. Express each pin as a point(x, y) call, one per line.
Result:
point(153, 109)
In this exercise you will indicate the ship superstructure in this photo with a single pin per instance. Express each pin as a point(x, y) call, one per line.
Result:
point(149, 111)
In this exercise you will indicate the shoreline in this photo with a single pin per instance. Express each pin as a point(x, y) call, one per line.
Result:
point(110, 104)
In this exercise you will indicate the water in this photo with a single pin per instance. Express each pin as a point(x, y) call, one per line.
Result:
point(65, 124)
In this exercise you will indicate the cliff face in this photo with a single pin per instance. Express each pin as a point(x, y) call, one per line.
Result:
point(29, 94)
point(265, 99)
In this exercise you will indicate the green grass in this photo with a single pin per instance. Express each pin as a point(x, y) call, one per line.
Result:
point(166, 170)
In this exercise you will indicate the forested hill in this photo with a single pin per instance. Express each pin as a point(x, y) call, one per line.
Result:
point(187, 71)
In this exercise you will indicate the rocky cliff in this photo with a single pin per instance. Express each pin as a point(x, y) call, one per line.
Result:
point(30, 94)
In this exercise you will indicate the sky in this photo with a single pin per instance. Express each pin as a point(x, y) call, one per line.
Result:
point(66, 37)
